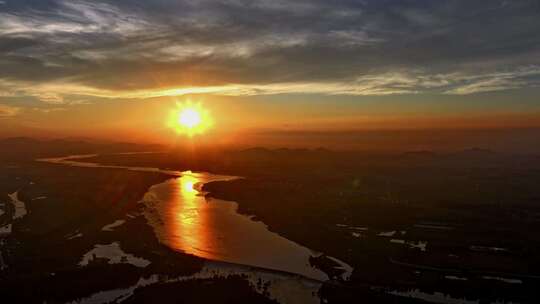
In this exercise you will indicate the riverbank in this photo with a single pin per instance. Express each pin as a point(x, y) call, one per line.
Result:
point(88, 244)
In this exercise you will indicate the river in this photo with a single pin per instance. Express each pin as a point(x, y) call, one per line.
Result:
point(186, 220)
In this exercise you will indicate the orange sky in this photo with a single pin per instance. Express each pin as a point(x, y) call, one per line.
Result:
point(115, 69)
point(238, 121)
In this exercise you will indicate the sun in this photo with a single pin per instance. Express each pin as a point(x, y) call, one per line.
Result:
point(189, 118)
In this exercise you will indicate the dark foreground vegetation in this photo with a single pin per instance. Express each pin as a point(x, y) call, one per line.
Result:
point(436, 221)
point(463, 223)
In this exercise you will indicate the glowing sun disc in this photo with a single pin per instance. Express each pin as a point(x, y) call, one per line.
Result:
point(189, 119)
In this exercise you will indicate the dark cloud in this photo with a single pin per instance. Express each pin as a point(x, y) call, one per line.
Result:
point(348, 47)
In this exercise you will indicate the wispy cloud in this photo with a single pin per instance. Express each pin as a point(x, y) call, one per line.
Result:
point(390, 83)
point(518, 78)
point(58, 50)
point(8, 111)
point(75, 17)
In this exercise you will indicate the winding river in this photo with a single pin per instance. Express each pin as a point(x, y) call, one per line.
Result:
point(187, 221)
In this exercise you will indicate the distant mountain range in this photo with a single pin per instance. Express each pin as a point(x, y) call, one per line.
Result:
point(18, 148)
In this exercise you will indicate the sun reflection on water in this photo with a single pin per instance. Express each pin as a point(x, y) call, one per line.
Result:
point(189, 221)
point(187, 186)
point(185, 221)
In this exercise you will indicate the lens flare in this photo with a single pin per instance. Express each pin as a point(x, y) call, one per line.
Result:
point(190, 119)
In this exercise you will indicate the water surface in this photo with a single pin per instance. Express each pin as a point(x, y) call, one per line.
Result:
point(187, 221)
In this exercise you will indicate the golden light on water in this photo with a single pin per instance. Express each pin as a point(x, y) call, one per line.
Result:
point(189, 221)
point(187, 186)
point(190, 119)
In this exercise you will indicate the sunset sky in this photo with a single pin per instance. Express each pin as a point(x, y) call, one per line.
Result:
point(115, 69)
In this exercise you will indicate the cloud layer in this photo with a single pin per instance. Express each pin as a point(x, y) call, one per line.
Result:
point(59, 51)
